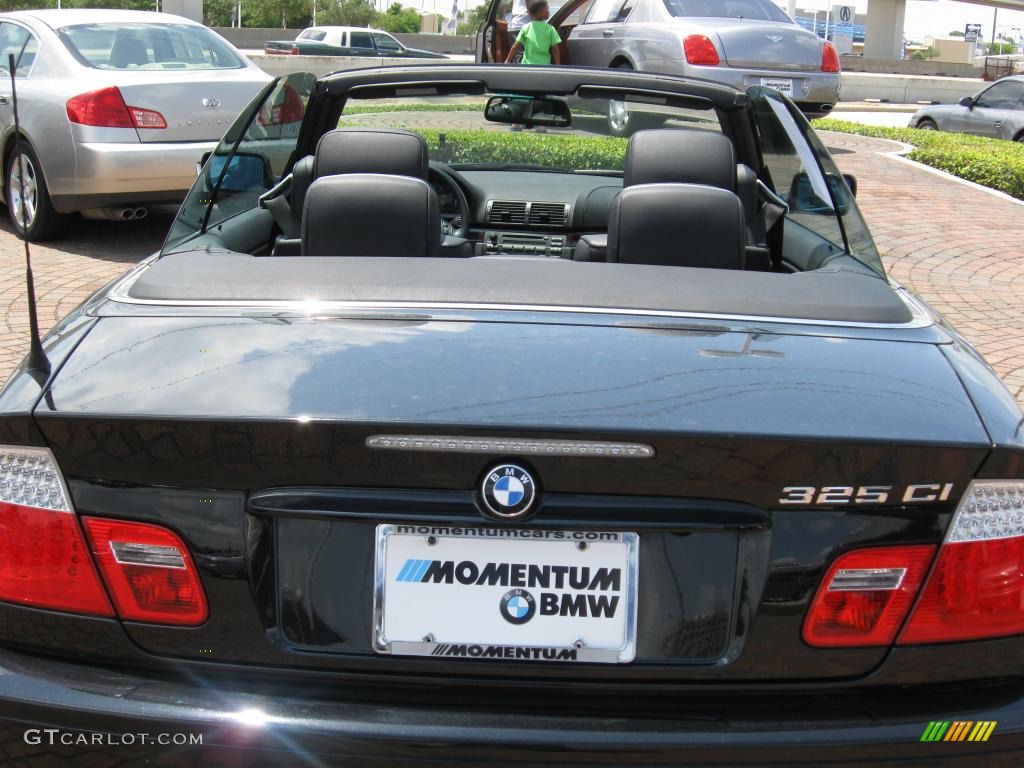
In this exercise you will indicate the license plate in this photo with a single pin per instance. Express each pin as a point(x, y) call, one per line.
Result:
point(783, 86)
point(505, 593)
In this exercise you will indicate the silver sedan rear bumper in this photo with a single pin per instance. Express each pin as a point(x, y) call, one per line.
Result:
point(108, 173)
point(809, 88)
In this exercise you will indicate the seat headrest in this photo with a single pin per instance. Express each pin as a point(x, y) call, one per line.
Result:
point(679, 225)
point(366, 214)
point(680, 156)
point(371, 150)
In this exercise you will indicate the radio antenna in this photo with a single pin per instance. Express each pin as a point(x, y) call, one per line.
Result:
point(37, 362)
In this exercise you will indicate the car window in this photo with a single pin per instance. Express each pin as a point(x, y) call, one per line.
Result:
point(148, 46)
point(386, 42)
point(1001, 96)
point(249, 160)
point(360, 40)
point(313, 34)
point(17, 40)
point(758, 10)
point(625, 10)
point(577, 14)
point(802, 173)
point(603, 11)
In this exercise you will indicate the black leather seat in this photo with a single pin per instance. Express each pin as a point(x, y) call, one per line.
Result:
point(681, 225)
point(692, 156)
point(348, 150)
point(696, 157)
point(364, 214)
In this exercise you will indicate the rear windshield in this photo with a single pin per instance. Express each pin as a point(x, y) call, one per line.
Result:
point(124, 46)
point(312, 34)
point(758, 10)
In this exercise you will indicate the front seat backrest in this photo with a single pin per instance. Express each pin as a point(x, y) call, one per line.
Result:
point(366, 214)
point(356, 150)
point(680, 225)
point(683, 156)
point(371, 150)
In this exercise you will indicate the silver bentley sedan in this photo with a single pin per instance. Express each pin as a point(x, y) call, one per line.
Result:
point(740, 43)
point(116, 108)
point(996, 112)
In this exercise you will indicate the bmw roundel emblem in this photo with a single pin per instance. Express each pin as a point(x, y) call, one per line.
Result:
point(517, 606)
point(508, 492)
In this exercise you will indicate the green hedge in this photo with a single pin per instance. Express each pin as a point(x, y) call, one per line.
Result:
point(993, 163)
point(578, 153)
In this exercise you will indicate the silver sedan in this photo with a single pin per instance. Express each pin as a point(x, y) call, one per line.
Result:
point(116, 108)
point(996, 112)
point(742, 43)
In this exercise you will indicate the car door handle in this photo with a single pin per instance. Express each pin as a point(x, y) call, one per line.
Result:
point(608, 32)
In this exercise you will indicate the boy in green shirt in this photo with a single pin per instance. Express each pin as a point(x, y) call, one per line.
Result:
point(538, 41)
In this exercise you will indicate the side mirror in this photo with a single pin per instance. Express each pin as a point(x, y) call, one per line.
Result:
point(246, 172)
point(528, 110)
point(967, 101)
point(851, 182)
point(804, 198)
point(202, 163)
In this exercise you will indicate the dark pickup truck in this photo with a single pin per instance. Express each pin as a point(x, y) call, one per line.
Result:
point(345, 41)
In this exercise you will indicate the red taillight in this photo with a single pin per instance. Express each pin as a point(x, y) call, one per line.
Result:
point(700, 50)
point(105, 108)
point(43, 558)
point(287, 108)
point(829, 58)
point(295, 51)
point(44, 562)
point(976, 589)
point(149, 572)
point(865, 596)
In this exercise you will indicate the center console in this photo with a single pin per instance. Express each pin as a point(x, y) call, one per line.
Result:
point(525, 244)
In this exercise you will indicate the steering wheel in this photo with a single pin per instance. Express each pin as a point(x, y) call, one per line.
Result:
point(440, 173)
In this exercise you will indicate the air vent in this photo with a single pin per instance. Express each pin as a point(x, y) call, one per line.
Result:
point(551, 214)
point(506, 212)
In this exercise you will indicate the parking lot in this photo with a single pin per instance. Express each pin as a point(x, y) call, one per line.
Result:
point(959, 247)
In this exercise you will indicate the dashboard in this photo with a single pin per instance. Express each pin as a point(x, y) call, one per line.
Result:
point(523, 212)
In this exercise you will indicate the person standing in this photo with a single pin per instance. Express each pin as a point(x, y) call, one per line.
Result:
point(538, 41)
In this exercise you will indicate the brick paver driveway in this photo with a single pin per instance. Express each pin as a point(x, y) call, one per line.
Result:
point(961, 249)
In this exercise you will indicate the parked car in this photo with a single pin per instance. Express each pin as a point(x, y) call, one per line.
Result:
point(345, 41)
point(116, 107)
point(639, 458)
point(737, 42)
point(996, 112)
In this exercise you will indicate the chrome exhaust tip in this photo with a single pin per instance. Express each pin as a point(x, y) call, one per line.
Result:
point(141, 212)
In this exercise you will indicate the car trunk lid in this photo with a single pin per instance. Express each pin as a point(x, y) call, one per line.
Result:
point(258, 447)
point(769, 45)
point(196, 105)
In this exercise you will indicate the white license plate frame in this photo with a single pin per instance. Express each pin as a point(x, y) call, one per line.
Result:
point(496, 636)
point(784, 85)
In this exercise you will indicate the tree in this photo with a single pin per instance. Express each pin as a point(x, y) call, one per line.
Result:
point(473, 20)
point(399, 19)
point(217, 13)
point(957, 33)
point(277, 13)
point(346, 13)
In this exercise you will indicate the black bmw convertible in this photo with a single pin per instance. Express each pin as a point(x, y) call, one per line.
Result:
point(447, 428)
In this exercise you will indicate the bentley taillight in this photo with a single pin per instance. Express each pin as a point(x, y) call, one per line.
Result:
point(699, 49)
